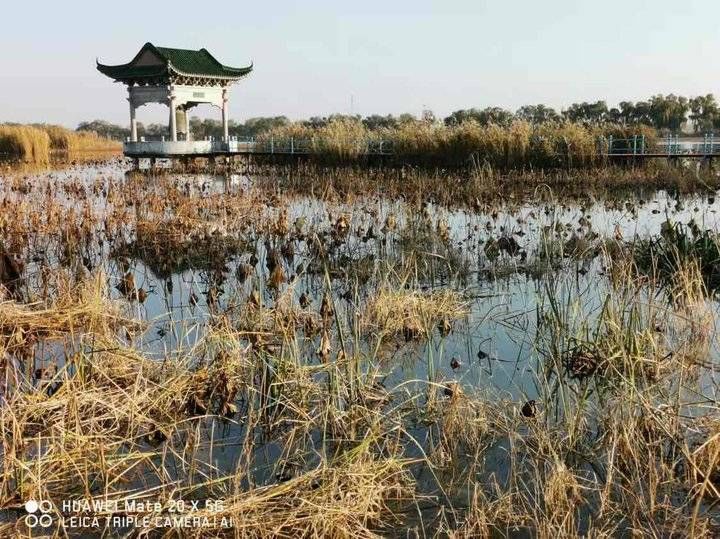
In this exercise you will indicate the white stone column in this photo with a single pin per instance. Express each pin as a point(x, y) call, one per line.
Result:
point(226, 128)
point(173, 119)
point(133, 120)
point(187, 124)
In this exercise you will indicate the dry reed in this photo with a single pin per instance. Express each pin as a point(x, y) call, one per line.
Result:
point(395, 312)
point(520, 145)
point(24, 143)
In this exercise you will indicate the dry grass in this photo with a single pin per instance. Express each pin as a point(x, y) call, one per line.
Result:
point(392, 312)
point(77, 307)
point(346, 498)
point(95, 426)
point(78, 141)
point(704, 461)
point(108, 408)
point(520, 145)
point(33, 143)
point(25, 143)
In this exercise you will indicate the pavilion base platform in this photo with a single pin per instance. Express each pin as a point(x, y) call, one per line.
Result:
point(193, 148)
point(183, 153)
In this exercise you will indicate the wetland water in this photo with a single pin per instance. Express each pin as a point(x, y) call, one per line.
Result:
point(298, 279)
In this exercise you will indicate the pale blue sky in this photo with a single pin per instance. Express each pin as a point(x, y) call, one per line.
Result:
point(393, 56)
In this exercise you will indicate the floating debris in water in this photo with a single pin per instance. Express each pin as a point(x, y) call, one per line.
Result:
point(126, 286)
point(244, 271)
point(582, 362)
point(529, 409)
point(445, 327)
point(326, 310)
point(277, 277)
point(141, 295)
point(341, 226)
point(452, 390)
point(325, 347)
point(10, 274)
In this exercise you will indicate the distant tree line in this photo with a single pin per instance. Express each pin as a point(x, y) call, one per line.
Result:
point(200, 128)
point(663, 112)
point(670, 113)
point(252, 127)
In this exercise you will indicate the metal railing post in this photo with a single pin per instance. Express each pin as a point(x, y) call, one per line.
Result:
point(272, 144)
point(292, 145)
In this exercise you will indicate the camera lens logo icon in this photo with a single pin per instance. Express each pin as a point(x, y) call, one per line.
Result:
point(44, 519)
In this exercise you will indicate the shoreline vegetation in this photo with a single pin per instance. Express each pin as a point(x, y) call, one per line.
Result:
point(35, 143)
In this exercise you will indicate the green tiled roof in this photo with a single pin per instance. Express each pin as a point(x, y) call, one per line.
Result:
point(173, 61)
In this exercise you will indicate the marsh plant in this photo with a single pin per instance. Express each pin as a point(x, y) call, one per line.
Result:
point(517, 145)
point(678, 245)
point(34, 143)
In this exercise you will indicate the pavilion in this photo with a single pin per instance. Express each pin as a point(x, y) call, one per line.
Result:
point(179, 78)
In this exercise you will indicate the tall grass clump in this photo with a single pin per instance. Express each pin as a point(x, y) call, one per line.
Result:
point(24, 143)
point(520, 145)
point(410, 312)
point(565, 144)
point(665, 256)
point(77, 141)
point(342, 139)
point(33, 143)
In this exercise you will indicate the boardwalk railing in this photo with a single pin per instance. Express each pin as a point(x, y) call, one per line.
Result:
point(670, 146)
point(293, 145)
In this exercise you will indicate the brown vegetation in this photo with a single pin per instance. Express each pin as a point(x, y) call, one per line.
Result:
point(33, 144)
point(520, 145)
